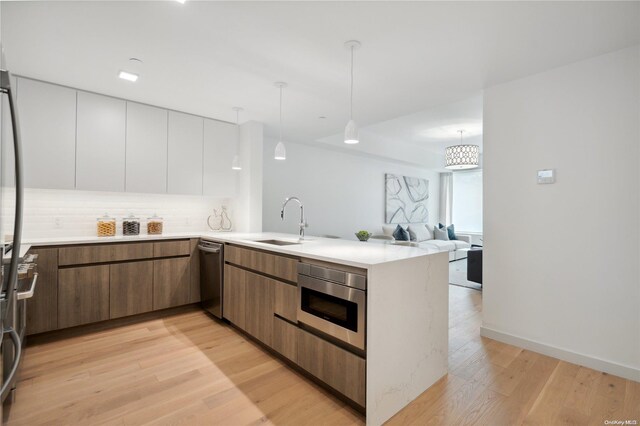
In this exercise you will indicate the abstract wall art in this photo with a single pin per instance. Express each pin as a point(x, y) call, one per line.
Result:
point(407, 199)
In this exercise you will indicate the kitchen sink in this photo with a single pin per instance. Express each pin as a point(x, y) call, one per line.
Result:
point(277, 242)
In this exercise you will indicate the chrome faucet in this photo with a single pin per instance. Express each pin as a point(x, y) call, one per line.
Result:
point(303, 223)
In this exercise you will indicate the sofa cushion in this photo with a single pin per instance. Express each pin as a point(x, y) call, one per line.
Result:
point(461, 244)
point(441, 234)
point(401, 234)
point(388, 230)
point(419, 233)
point(439, 245)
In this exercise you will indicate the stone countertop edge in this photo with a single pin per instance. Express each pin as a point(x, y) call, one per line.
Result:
point(339, 251)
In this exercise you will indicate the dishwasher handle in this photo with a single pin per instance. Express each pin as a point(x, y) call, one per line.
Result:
point(210, 249)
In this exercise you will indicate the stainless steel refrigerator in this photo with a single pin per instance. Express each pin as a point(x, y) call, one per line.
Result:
point(11, 199)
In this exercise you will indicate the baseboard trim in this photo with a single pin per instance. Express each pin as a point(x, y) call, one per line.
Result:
point(563, 354)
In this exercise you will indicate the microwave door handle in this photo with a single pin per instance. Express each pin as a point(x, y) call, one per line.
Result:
point(5, 86)
point(6, 385)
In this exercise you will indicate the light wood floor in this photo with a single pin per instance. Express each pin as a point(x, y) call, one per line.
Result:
point(188, 369)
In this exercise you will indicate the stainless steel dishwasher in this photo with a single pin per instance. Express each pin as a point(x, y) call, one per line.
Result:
point(211, 276)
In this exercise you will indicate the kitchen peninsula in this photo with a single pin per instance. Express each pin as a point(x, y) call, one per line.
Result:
point(404, 309)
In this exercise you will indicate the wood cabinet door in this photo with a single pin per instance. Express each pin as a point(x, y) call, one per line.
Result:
point(83, 295)
point(285, 339)
point(233, 301)
point(285, 300)
point(259, 307)
point(340, 369)
point(48, 128)
point(171, 282)
point(130, 288)
point(42, 308)
point(194, 293)
point(100, 143)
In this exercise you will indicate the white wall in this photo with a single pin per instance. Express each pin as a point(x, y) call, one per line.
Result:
point(342, 193)
point(561, 261)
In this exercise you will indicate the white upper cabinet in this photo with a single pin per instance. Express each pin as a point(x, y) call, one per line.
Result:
point(185, 154)
point(7, 167)
point(48, 130)
point(146, 149)
point(219, 149)
point(100, 147)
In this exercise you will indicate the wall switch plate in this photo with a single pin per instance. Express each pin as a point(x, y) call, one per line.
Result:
point(546, 176)
point(57, 223)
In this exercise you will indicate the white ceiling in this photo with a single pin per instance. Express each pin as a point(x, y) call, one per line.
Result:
point(205, 57)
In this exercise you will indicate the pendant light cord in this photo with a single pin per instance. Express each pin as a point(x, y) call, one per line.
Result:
point(280, 113)
point(351, 98)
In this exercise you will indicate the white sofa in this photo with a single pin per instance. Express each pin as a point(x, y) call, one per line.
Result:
point(457, 249)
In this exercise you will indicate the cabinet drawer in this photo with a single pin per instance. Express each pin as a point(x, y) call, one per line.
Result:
point(100, 253)
point(285, 339)
point(271, 264)
point(286, 300)
point(171, 248)
point(340, 369)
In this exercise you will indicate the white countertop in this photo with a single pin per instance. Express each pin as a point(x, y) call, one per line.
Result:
point(24, 248)
point(353, 253)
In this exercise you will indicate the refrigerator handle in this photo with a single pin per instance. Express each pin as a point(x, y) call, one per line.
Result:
point(6, 385)
point(5, 87)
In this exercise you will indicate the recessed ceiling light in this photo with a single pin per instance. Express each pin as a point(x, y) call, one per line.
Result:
point(322, 117)
point(181, 1)
point(128, 76)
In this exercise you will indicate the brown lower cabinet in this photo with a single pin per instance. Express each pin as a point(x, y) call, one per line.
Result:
point(233, 302)
point(256, 303)
point(259, 307)
point(42, 308)
point(171, 282)
point(83, 295)
point(340, 369)
point(130, 288)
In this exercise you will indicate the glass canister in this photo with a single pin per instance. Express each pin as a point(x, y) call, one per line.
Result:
point(131, 225)
point(106, 226)
point(154, 225)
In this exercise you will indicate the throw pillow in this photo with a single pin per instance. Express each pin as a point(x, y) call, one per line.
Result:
point(441, 234)
point(418, 233)
point(430, 231)
point(400, 234)
point(450, 230)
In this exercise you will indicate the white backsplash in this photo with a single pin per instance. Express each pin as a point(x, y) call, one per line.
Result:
point(69, 213)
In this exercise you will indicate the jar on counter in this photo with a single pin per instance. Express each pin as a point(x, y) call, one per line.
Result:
point(131, 225)
point(106, 226)
point(154, 225)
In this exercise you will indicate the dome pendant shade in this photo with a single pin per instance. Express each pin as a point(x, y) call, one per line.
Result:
point(460, 157)
point(351, 133)
point(235, 164)
point(281, 152)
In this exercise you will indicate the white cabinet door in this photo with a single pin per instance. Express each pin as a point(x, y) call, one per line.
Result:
point(219, 149)
point(100, 152)
point(185, 153)
point(48, 129)
point(7, 167)
point(146, 149)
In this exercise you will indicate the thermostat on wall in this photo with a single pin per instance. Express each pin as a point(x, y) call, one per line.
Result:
point(546, 176)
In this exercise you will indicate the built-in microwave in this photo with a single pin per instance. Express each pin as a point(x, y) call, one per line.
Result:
point(333, 302)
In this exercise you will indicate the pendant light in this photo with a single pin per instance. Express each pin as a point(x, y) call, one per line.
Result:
point(235, 164)
point(351, 131)
point(281, 152)
point(460, 157)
